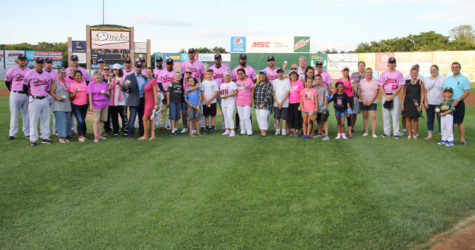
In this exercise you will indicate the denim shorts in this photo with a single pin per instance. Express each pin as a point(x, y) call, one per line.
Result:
point(281, 113)
point(174, 111)
point(373, 107)
point(340, 113)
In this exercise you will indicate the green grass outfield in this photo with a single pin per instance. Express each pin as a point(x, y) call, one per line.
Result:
point(242, 192)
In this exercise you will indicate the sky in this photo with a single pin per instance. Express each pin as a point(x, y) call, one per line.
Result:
point(173, 25)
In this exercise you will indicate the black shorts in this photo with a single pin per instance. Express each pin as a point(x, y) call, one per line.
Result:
point(459, 113)
point(209, 111)
point(281, 113)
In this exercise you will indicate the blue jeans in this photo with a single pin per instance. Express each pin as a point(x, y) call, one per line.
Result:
point(134, 110)
point(430, 118)
point(63, 123)
point(80, 112)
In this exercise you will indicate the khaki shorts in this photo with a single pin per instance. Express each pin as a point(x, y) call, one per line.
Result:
point(100, 114)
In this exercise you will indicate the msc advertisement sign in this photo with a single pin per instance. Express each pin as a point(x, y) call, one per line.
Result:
point(270, 44)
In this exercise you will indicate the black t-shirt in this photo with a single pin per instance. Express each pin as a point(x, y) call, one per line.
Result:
point(340, 102)
point(176, 92)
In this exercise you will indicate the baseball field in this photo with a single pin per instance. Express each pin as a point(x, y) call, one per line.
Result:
point(243, 192)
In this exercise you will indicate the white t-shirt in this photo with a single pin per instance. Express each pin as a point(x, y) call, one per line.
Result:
point(434, 89)
point(209, 88)
point(226, 89)
point(280, 90)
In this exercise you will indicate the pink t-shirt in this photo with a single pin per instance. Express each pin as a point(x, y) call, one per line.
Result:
point(99, 100)
point(39, 83)
point(391, 80)
point(368, 89)
point(156, 72)
point(126, 73)
point(244, 94)
point(295, 89)
point(250, 73)
point(309, 96)
point(53, 75)
point(218, 73)
point(271, 73)
point(16, 76)
point(164, 77)
point(81, 95)
point(197, 67)
point(348, 89)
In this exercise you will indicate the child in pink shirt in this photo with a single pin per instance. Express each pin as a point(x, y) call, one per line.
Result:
point(308, 106)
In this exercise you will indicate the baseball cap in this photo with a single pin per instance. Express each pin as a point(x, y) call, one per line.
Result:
point(127, 60)
point(141, 59)
point(392, 60)
point(116, 66)
point(280, 70)
point(191, 50)
point(40, 60)
point(159, 59)
point(138, 64)
point(169, 61)
point(263, 72)
point(293, 71)
point(345, 68)
point(217, 56)
point(270, 58)
point(319, 63)
point(242, 56)
point(48, 60)
point(449, 89)
point(100, 60)
point(21, 57)
point(74, 58)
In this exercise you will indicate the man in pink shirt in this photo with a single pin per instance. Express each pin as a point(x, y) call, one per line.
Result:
point(271, 69)
point(326, 78)
point(164, 77)
point(218, 75)
point(75, 63)
point(14, 79)
point(390, 83)
point(128, 67)
point(250, 72)
point(39, 83)
point(144, 63)
point(196, 66)
point(158, 66)
point(53, 75)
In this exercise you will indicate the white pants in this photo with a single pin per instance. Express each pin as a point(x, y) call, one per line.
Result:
point(447, 127)
point(245, 119)
point(391, 114)
point(39, 109)
point(263, 119)
point(19, 102)
point(227, 113)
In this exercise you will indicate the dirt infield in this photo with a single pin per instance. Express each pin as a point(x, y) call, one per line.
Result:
point(461, 236)
point(470, 101)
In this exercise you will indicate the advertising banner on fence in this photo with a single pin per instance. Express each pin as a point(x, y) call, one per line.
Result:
point(338, 61)
point(2, 60)
point(369, 59)
point(301, 44)
point(55, 55)
point(405, 60)
point(104, 39)
point(444, 60)
point(319, 57)
point(238, 44)
point(210, 57)
point(81, 57)
point(141, 47)
point(79, 47)
point(269, 44)
point(382, 60)
point(11, 56)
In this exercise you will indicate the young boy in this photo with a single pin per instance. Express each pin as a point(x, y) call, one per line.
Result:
point(193, 99)
point(209, 92)
point(446, 110)
point(174, 101)
point(322, 113)
point(281, 101)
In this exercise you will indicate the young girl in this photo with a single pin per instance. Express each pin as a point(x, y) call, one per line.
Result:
point(412, 103)
point(228, 92)
point(193, 99)
point(341, 103)
point(322, 111)
point(348, 86)
point(308, 106)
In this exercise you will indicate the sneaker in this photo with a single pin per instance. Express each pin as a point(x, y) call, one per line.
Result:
point(375, 136)
point(284, 133)
point(442, 142)
point(33, 144)
point(277, 133)
point(404, 132)
point(27, 137)
point(304, 136)
point(464, 143)
point(326, 138)
point(384, 135)
point(11, 138)
point(344, 136)
point(184, 131)
point(242, 133)
point(177, 134)
point(317, 136)
point(96, 139)
point(46, 141)
point(115, 135)
point(102, 138)
point(349, 135)
point(338, 137)
point(409, 137)
point(126, 134)
point(227, 132)
point(232, 134)
point(449, 144)
point(396, 137)
point(193, 132)
point(249, 134)
point(365, 134)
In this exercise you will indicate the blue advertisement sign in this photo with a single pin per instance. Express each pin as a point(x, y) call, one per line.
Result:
point(238, 44)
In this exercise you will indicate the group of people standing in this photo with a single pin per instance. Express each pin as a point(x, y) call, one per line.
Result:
point(163, 95)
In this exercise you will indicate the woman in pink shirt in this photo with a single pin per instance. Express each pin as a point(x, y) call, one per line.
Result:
point(349, 85)
point(295, 116)
point(79, 103)
point(368, 92)
point(150, 104)
point(244, 96)
point(99, 93)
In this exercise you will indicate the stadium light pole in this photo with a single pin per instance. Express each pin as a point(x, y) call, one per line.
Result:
point(103, 12)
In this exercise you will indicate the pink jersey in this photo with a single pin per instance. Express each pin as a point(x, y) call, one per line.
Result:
point(250, 73)
point(39, 83)
point(156, 72)
point(197, 67)
point(126, 73)
point(347, 87)
point(244, 94)
point(326, 78)
point(391, 81)
point(53, 74)
point(85, 74)
point(271, 73)
point(81, 95)
point(165, 77)
point(16, 76)
point(218, 73)
point(309, 96)
point(295, 89)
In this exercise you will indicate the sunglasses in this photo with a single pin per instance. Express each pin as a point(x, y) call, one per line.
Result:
point(106, 69)
point(188, 72)
point(293, 68)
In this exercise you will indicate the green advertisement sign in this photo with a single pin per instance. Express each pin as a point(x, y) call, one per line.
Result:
point(319, 57)
point(301, 44)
